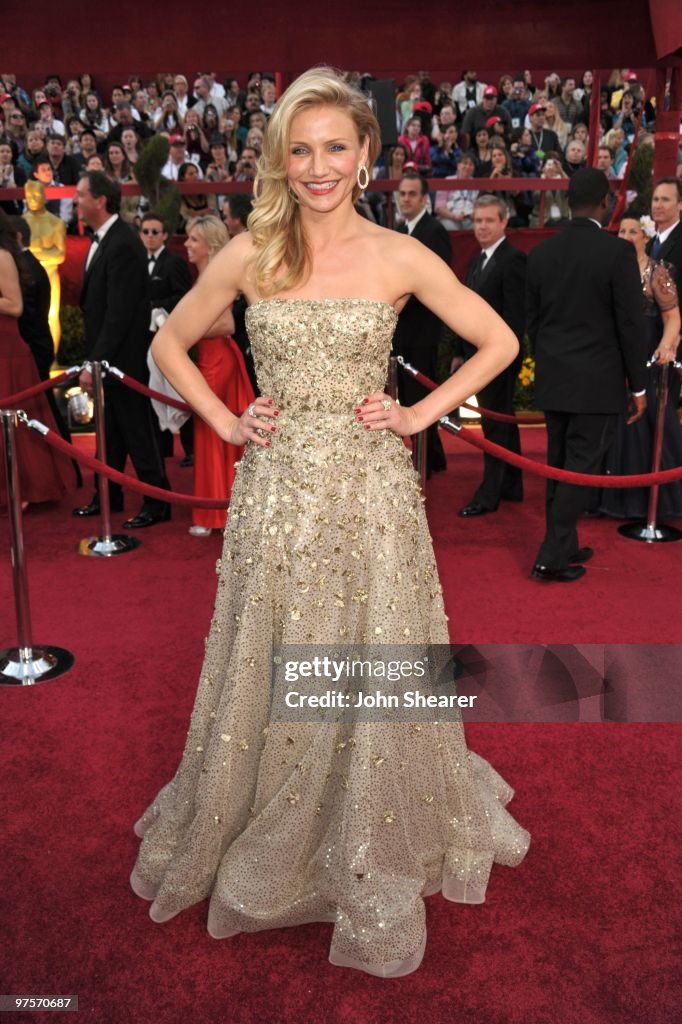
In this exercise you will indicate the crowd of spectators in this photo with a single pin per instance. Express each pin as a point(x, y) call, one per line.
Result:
point(513, 128)
point(215, 133)
point(516, 128)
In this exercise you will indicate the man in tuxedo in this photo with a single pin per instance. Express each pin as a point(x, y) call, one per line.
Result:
point(169, 276)
point(498, 275)
point(418, 331)
point(169, 280)
point(586, 327)
point(666, 212)
point(115, 303)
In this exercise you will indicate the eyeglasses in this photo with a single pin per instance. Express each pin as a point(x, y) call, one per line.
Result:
point(151, 231)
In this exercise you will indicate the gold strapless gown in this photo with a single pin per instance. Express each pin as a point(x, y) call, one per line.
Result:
point(326, 543)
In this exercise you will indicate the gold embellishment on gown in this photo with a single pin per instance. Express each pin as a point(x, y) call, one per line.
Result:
point(326, 540)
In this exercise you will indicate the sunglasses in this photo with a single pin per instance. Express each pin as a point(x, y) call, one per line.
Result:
point(151, 231)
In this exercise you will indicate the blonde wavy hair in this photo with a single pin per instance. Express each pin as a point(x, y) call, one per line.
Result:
point(213, 232)
point(275, 222)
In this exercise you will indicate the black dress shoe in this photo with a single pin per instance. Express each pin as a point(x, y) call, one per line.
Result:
point(473, 509)
point(567, 575)
point(145, 518)
point(93, 509)
point(581, 555)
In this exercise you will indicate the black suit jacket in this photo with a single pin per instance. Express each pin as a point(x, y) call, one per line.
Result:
point(671, 252)
point(418, 328)
point(585, 320)
point(502, 284)
point(33, 322)
point(169, 281)
point(115, 302)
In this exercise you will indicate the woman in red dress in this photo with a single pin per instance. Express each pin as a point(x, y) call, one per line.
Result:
point(44, 475)
point(222, 365)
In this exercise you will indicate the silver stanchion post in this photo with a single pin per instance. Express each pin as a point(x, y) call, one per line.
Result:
point(25, 664)
point(106, 544)
point(418, 440)
point(650, 531)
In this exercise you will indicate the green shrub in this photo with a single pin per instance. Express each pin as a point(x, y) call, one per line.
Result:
point(163, 195)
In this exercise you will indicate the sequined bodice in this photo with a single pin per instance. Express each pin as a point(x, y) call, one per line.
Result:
point(320, 354)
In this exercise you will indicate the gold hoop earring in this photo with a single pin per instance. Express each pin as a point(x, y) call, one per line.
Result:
point(362, 184)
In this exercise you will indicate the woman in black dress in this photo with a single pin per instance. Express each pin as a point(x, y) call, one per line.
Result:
point(632, 447)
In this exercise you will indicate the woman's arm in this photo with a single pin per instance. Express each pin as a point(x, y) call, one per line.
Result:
point(192, 319)
point(431, 281)
point(666, 298)
point(670, 339)
point(11, 302)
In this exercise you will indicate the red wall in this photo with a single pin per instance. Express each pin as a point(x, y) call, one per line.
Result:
point(378, 36)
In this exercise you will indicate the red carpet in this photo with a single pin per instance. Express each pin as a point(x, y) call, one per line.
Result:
point(581, 933)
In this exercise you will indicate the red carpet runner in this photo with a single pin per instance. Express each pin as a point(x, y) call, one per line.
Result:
point(581, 933)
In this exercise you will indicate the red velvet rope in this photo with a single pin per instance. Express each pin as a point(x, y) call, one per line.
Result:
point(636, 480)
point(45, 385)
point(665, 476)
point(131, 382)
point(175, 497)
point(488, 414)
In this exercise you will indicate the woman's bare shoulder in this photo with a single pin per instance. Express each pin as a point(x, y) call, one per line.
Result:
point(233, 262)
point(390, 244)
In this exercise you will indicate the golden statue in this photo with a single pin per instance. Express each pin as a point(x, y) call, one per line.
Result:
point(48, 245)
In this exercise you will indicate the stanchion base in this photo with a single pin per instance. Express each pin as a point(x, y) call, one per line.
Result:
point(106, 547)
point(25, 666)
point(650, 534)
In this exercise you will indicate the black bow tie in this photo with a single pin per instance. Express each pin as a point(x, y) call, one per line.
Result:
point(152, 258)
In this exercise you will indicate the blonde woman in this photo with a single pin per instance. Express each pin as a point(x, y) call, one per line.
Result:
point(287, 822)
point(554, 121)
point(222, 366)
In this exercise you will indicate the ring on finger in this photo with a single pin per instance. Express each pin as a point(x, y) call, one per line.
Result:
point(251, 411)
point(387, 403)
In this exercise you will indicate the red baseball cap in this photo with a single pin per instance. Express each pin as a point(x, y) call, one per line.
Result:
point(175, 139)
point(535, 107)
point(493, 120)
point(631, 77)
point(424, 106)
point(490, 90)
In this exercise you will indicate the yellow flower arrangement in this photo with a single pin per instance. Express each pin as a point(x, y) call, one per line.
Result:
point(525, 385)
